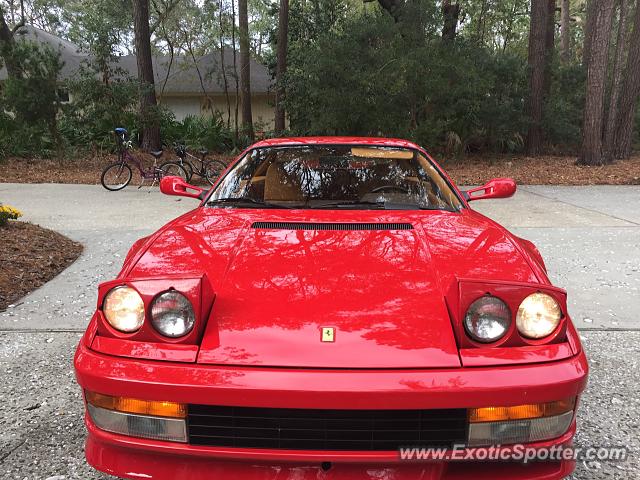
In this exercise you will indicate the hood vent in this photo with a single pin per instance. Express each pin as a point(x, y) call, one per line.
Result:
point(331, 226)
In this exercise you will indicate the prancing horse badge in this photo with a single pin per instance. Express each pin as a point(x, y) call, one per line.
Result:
point(328, 334)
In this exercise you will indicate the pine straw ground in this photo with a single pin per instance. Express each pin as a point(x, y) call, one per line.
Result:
point(79, 170)
point(471, 170)
point(545, 170)
point(29, 257)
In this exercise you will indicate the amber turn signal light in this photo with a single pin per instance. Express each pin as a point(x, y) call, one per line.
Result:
point(520, 412)
point(136, 406)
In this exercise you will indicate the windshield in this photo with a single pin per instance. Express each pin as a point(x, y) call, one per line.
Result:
point(335, 177)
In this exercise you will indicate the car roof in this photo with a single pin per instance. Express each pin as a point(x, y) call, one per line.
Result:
point(375, 141)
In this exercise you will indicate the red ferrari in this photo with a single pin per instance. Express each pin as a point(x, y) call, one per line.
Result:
point(333, 309)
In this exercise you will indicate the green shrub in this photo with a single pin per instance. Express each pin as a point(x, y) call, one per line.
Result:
point(97, 108)
point(209, 132)
point(28, 117)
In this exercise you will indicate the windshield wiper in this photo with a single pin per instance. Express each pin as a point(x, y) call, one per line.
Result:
point(349, 203)
point(250, 201)
point(378, 204)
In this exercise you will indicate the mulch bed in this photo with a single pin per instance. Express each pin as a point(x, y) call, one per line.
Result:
point(470, 170)
point(29, 257)
point(543, 170)
point(78, 170)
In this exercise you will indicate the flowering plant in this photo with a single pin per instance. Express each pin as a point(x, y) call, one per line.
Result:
point(8, 213)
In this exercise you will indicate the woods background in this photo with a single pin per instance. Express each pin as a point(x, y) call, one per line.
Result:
point(462, 76)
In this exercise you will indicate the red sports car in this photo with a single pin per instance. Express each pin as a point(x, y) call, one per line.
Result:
point(332, 309)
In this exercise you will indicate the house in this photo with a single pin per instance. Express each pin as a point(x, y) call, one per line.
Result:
point(185, 85)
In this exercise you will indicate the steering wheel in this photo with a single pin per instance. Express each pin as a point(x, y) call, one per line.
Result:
point(383, 188)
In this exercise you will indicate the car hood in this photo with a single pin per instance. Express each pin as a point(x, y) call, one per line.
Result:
point(380, 290)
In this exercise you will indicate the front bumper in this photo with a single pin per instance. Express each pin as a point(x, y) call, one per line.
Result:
point(329, 389)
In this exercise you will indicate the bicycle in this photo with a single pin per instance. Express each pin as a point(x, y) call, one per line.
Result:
point(117, 175)
point(207, 169)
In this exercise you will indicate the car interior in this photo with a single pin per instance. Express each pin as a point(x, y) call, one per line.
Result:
point(312, 176)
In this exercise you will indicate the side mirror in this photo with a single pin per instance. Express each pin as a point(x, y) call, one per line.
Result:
point(496, 188)
point(177, 186)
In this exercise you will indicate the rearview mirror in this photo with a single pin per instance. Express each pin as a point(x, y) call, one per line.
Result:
point(177, 186)
point(496, 188)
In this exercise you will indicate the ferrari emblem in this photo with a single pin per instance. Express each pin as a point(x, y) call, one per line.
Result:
point(328, 334)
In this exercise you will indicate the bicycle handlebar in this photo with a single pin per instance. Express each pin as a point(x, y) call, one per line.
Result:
point(122, 137)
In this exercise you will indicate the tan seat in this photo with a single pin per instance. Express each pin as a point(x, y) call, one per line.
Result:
point(280, 186)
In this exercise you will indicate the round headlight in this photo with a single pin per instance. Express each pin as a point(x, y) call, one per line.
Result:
point(538, 316)
point(487, 319)
point(124, 309)
point(172, 314)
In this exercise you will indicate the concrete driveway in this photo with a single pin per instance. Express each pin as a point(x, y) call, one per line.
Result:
point(589, 236)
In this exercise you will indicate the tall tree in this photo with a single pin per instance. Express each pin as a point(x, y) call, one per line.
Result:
point(281, 67)
point(597, 62)
point(245, 68)
point(451, 15)
point(628, 95)
point(235, 68)
point(148, 103)
point(538, 60)
point(565, 31)
point(550, 41)
point(223, 67)
point(616, 81)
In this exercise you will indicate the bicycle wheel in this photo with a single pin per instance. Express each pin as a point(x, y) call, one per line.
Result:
point(186, 166)
point(213, 169)
point(116, 176)
point(174, 169)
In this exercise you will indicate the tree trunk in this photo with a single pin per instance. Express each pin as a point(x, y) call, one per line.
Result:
point(148, 104)
point(537, 62)
point(588, 30)
point(235, 69)
point(628, 95)
point(450, 14)
point(597, 63)
point(172, 55)
point(225, 80)
point(245, 68)
point(281, 68)
point(481, 22)
point(393, 7)
point(565, 31)
point(550, 42)
point(616, 82)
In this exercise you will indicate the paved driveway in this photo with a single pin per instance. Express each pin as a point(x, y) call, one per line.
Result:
point(589, 236)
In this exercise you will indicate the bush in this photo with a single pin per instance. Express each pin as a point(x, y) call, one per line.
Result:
point(97, 108)
point(366, 76)
point(564, 109)
point(209, 132)
point(363, 80)
point(28, 117)
point(24, 139)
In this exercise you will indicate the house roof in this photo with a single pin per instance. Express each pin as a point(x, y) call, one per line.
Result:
point(182, 74)
point(70, 53)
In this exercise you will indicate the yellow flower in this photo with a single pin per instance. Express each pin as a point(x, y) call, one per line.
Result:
point(8, 213)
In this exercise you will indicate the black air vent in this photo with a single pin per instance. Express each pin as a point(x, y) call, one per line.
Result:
point(331, 226)
point(301, 429)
